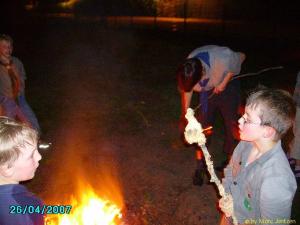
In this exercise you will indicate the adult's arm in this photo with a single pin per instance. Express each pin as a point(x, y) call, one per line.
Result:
point(185, 101)
point(186, 98)
point(234, 68)
point(222, 86)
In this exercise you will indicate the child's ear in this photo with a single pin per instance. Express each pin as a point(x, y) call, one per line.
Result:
point(6, 170)
point(269, 132)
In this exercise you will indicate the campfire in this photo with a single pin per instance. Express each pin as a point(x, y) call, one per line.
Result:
point(86, 178)
point(88, 209)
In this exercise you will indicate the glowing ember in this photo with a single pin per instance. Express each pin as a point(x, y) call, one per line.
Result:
point(208, 128)
point(90, 210)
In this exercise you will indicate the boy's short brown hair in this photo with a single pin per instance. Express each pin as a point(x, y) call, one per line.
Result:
point(277, 108)
point(12, 136)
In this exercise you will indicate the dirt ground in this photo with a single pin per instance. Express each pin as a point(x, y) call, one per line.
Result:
point(107, 100)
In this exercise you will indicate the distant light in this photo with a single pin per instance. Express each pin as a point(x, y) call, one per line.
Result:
point(44, 145)
point(68, 4)
point(30, 6)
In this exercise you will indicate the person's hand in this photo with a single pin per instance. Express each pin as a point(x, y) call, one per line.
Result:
point(226, 205)
point(197, 88)
point(219, 88)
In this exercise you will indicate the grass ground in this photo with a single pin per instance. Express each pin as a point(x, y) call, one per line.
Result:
point(108, 102)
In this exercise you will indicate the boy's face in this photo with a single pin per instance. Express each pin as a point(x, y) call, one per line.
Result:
point(25, 166)
point(250, 127)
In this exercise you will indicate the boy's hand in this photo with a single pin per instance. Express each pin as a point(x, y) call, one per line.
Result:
point(226, 205)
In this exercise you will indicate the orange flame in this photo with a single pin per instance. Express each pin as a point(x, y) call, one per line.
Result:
point(90, 210)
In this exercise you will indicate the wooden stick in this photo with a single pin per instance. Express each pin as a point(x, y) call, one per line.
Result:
point(256, 73)
point(194, 134)
point(245, 75)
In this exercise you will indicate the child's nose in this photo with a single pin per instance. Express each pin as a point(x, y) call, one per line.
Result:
point(38, 156)
point(241, 120)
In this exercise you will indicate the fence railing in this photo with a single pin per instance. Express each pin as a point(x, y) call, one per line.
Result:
point(266, 29)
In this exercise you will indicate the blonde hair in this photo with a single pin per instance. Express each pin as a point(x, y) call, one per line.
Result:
point(13, 135)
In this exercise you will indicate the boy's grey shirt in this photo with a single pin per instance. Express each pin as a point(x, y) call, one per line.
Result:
point(263, 190)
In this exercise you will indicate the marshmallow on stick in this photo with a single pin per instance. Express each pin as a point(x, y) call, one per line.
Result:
point(194, 134)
